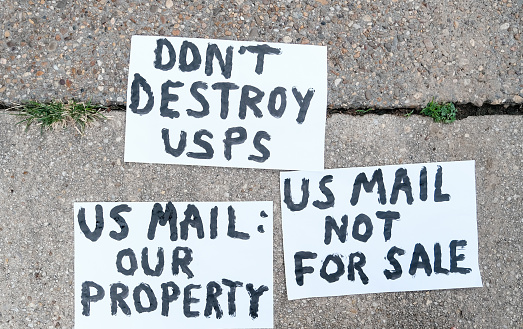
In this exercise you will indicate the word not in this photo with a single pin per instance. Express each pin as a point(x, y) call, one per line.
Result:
point(361, 219)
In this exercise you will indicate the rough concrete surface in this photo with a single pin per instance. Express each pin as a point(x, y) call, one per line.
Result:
point(382, 53)
point(44, 174)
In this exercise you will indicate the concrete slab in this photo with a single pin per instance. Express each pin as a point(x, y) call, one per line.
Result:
point(382, 53)
point(43, 174)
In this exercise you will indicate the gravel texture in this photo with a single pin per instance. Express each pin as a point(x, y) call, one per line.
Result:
point(381, 53)
point(44, 174)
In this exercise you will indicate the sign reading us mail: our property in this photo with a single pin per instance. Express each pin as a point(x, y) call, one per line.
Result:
point(226, 103)
point(173, 264)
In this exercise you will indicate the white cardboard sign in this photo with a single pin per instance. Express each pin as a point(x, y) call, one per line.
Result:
point(380, 229)
point(173, 265)
point(226, 103)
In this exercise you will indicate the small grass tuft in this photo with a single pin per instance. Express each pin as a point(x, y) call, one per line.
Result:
point(361, 112)
point(445, 113)
point(54, 114)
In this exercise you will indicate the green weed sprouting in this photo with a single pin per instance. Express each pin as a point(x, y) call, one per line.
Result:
point(445, 113)
point(55, 114)
point(407, 115)
point(361, 112)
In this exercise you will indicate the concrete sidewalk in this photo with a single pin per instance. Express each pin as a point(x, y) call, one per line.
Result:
point(44, 174)
point(382, 53)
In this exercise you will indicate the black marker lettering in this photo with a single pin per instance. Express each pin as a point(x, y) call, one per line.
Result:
point(87, 298)
point(196, 58)
point(209, 152)
point(260, 148)
point(362, 219)
point(153, 303)
point(160, 217)
point(182, 263)
point(117, 298)
point(231, 295)
point(341, 231)
point(145, 262)
point(303, 102)
point(438, 197)
point(200, 98)
point(158, 52)
point(255, 295)
point(304, 195)
point(332, 277)
point(358, 267)
point(393, 275)
point(211, 302)
point(225, 87)
point(261, 50)
point(423, 184)
point(188, 300)
point(99, 226)
point(167, 97)
point(192, 218)
point(124, 228)
point(135, 95)
point(327, 192)
point(214, 52)
point(401, 183)
point(214, 222)
point(454, 259)
point(419, 252)
point(250, 102)
point(176, 152)
point(169, 297)
point(299, 269)
point(231, 229)
point(132, 261)
point(277, 92)
point(437, 260)
point(388, 216)
point(361, 179)
point(229, 140)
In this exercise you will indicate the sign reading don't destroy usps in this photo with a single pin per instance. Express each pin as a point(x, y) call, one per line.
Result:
point(226, 103)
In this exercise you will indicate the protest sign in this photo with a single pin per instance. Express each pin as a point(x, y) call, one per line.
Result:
point(226, 103)
point(165, 265)
point(380, 229)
